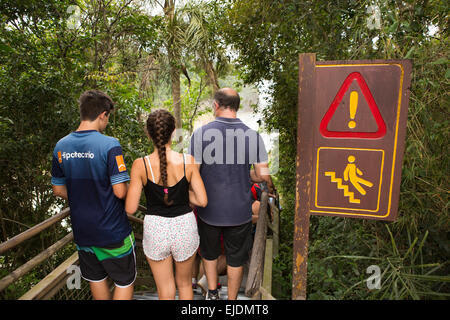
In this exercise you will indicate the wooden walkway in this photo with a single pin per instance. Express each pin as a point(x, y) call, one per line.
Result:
point(257, 282)
point(198, 292)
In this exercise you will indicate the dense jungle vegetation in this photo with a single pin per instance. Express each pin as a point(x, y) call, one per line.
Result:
point(152, 54)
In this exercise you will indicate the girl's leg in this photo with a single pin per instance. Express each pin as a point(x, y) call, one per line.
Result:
point(196, 269)
point(164, 279)
point(183, 272)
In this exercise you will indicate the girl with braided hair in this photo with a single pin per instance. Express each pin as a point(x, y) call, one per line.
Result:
point(171, 181)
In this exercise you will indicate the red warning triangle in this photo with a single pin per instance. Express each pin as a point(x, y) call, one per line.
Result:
point(371, 103)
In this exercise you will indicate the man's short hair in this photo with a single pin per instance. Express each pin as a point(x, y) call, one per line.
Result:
point(93, 103)
point(225, 100)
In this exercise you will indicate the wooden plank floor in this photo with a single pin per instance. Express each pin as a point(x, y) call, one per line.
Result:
point(198, 292)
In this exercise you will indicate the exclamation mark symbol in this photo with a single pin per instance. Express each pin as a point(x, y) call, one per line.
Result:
point(353, 107)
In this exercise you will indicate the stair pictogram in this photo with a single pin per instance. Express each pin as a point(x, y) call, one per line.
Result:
point(349, 194)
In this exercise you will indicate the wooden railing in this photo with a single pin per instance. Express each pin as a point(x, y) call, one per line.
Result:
point(259, 279)
point(54, 281)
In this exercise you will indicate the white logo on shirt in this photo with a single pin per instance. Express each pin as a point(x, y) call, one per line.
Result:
point(78, 155)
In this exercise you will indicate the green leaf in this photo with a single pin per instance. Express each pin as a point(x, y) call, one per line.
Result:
point(440, 61)
point(447, 74)
point(409, 52)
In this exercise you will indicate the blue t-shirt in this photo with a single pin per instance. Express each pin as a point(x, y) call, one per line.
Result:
point(89, 163)
point(226, 148)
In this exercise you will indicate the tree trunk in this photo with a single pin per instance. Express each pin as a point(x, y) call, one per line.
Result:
point(212, 75)
point(175, 81)
point(169, 13)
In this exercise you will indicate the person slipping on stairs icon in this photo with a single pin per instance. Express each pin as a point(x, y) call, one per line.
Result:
point(352, 172)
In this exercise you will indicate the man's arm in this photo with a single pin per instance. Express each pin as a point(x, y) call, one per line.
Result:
point(60, 191)
point(253, 176)
point(261, 174)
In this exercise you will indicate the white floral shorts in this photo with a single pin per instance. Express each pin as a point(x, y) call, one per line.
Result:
point(176, 236)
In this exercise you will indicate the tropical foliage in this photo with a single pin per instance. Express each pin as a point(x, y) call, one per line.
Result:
point(51, 51)
point(268, 36)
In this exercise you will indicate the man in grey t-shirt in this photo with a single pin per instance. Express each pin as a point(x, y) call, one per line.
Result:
point(225, 149)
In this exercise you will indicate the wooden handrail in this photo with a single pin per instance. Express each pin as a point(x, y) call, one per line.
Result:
point(135, 219)
point(275, 227)
point(23, 269)
point(27, 234)
point(259, 279)
point(46, 285)
point(255, 272)
point(267, 275)
point(142, 208)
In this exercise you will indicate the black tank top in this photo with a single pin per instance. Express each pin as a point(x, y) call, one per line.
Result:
point(178, 193)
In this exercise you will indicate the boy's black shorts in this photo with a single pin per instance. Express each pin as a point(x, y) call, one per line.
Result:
point(118, 262)
point(237, 241)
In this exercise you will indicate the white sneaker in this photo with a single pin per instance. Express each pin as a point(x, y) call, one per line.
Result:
point(210, 296)
point(203, 284)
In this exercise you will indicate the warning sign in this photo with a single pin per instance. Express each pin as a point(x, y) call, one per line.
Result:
point(355, 113)
point(350, 141)
point(357, 117)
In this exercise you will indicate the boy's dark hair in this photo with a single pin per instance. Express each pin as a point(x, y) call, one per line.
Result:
point(93, 103)
point(226, 100)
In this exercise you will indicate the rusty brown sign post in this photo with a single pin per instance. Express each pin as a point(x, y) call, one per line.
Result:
point(350, 142)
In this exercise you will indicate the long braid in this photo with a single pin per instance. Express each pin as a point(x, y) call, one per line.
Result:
point(160, 125)
point(161, 145)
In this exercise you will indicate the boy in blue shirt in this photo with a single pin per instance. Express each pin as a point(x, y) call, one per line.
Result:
point(89, 171)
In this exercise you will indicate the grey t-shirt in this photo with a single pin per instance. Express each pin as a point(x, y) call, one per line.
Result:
point(226, 148)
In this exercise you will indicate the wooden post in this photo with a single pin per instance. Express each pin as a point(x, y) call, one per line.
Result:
point(306, 96)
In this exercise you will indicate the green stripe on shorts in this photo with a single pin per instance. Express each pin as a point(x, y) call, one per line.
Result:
point(104, 253)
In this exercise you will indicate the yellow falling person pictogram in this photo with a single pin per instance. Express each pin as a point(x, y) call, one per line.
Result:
point(353, 174)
